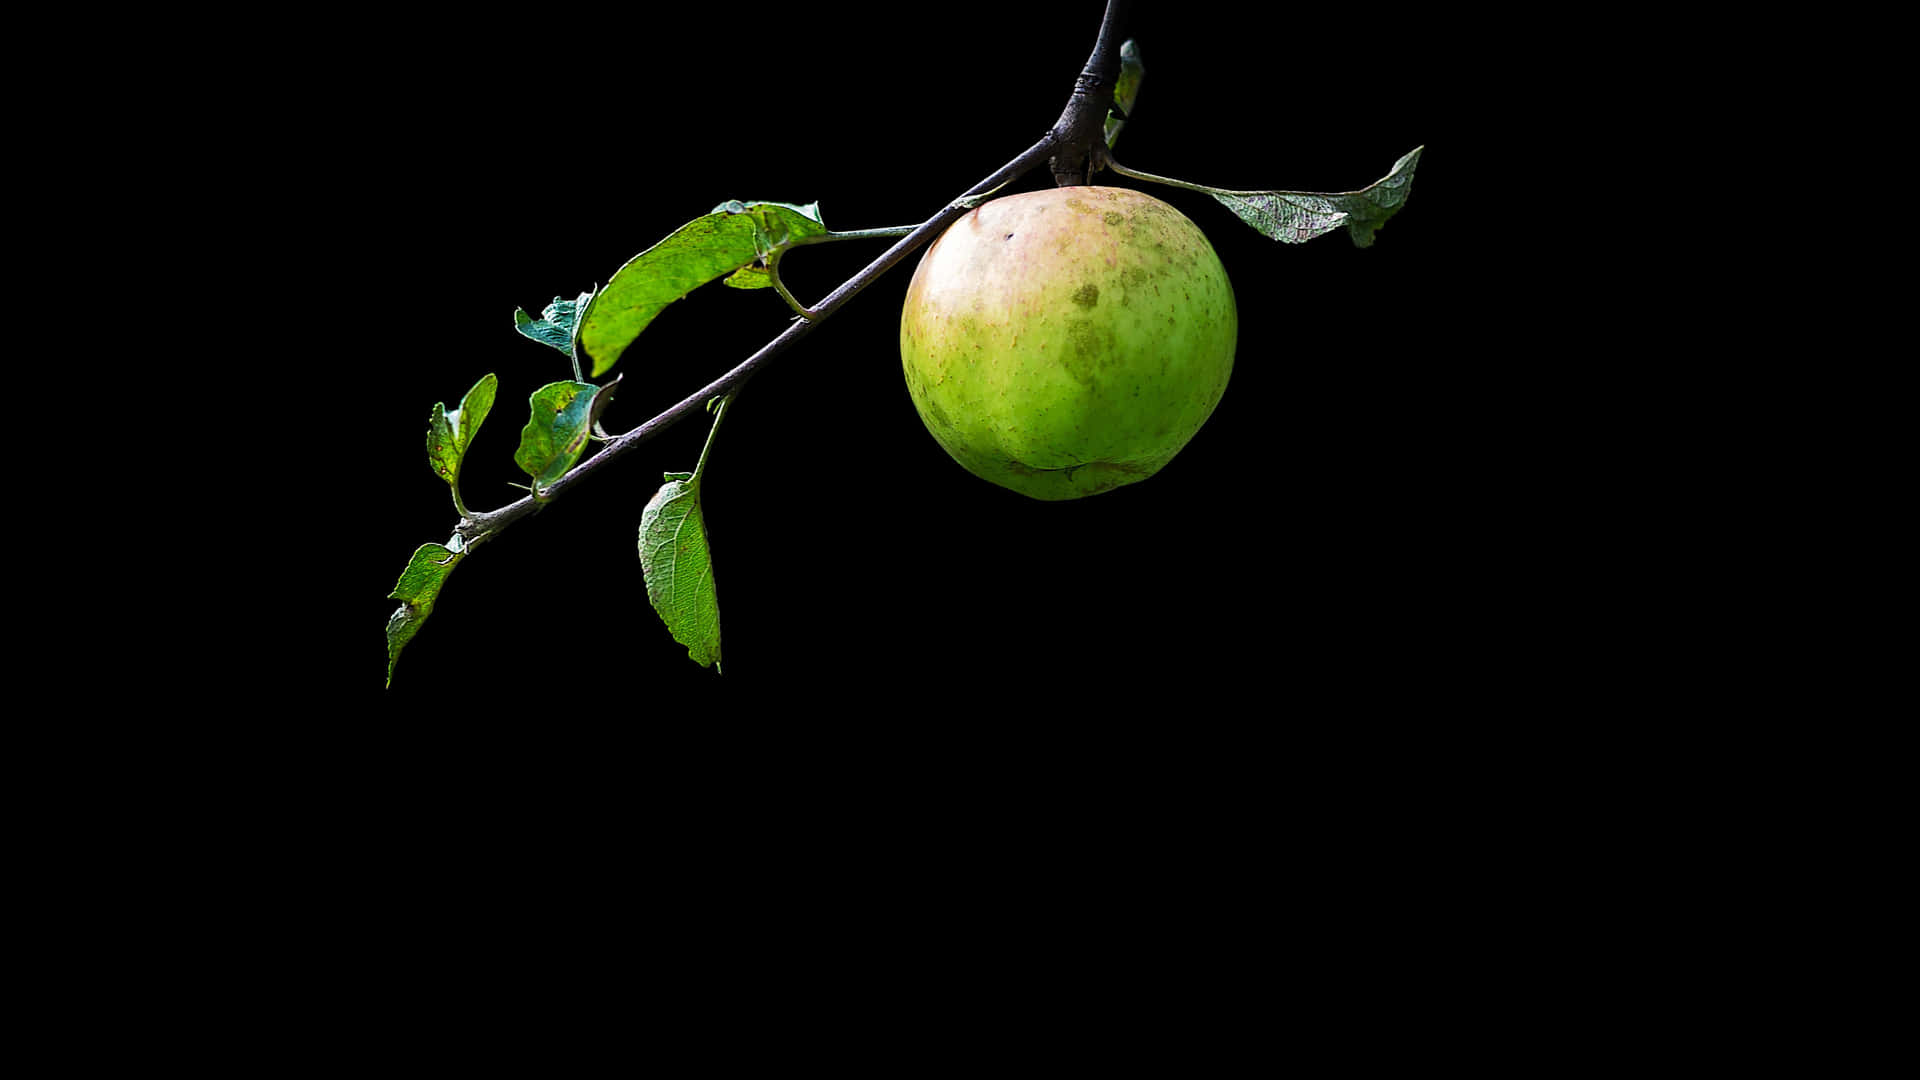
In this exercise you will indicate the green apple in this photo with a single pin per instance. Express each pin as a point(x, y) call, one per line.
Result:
point(1066, 342)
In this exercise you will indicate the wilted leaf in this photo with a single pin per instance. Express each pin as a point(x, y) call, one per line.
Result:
point(419, 587)
point(734, 235)
point(1294, 217)
point(450, 433)
point(1289, 217)
point(555, 325)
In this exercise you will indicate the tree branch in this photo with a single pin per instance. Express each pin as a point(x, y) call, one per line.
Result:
point(1081, 129)
point(1073, 139)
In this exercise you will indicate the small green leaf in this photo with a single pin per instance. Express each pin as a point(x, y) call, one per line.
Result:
point(1126, 89)
point(734, 235)
point(450, 433)
point(751, 277)
point(419, 587)
point(1294, 217)
point(678, 566)
point(561, 420)
point(555, 325)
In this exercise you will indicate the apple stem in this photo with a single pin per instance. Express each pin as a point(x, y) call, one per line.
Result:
point(1081, 130)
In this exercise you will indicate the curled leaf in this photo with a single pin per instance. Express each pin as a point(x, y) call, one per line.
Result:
point(418, 589)
point(560, 422)
point(1294, 217)
point(449, 433)
point(556, 323)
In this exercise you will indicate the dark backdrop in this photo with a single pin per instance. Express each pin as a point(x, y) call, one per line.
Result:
point(1350, 530)
point(1313, 679)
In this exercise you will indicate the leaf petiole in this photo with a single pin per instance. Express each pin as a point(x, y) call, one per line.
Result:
point(771, 258)
point(1152, 179)
point(779, 286)
point(888, 233)
point(719, 414)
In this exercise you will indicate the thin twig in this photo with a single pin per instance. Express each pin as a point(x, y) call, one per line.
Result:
point(493, 521)
point(1067, 137)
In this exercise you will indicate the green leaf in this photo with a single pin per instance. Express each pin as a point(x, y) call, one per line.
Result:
point(676, 560)
point(751, 277)
point(419, 587)
point(561, 422)
point(734, 235)
point(678, 566)
point(450, 433)
point(555, 325)
point(1126, 89)
point(1294, 217)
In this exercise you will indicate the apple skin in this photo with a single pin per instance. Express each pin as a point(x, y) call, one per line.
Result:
point(1068, 341)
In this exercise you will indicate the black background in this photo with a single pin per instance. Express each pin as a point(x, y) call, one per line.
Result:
point(1352, 528)
point(1306, 705)
point(1268, 702)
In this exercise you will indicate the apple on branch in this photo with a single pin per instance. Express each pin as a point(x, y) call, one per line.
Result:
point(1069, 341)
